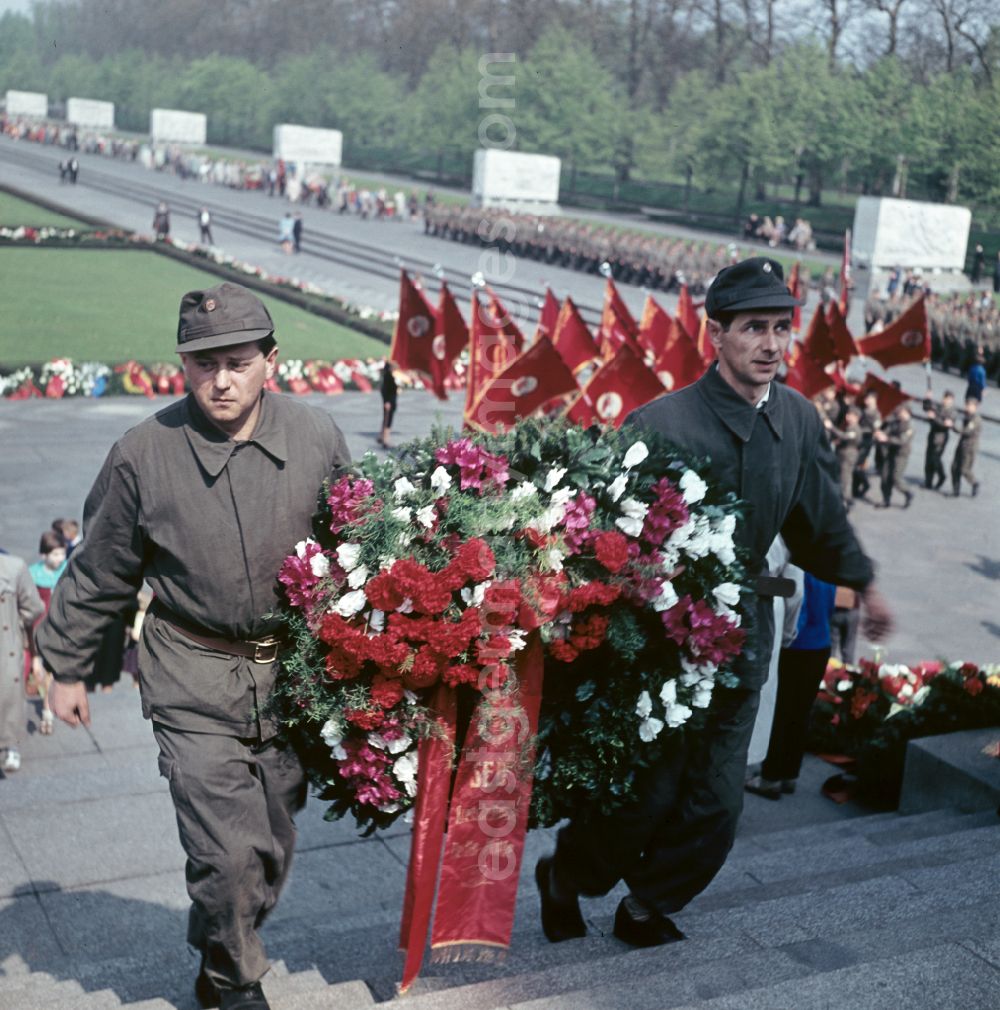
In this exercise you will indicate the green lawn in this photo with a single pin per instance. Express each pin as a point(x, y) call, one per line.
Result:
point(92, 305)
point(15, 212)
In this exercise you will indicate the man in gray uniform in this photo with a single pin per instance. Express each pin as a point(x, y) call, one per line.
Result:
point(765, 442)
point(965, 451)
point(203, 501)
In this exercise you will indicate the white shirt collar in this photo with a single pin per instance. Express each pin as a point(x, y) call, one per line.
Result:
point(760, 403)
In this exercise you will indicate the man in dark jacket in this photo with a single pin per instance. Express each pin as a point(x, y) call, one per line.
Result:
point(765, 443)
point(203, 501)
point(941, 418)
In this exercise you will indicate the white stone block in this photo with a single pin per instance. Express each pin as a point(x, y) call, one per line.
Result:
point(27, 103)
point(515, 179)
point(175, 126)
point(908, 233)
point(90, 113)
point(308, 145)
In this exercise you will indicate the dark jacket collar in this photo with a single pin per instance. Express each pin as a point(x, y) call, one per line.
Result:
point(213, 447)
point(734, 412)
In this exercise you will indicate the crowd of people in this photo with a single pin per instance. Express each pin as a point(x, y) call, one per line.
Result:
point(658, 262)
point(777, 234)
point(26, 589)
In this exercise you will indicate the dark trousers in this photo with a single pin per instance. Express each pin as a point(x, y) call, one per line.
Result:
point(799, 674)
point(235, 802)
point(671, 842)
point(934, 475)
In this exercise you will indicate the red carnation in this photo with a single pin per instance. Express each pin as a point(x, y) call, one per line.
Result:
point(425, 671)
point(611, 548)
point(460, 673)
point(560, 649)
point(363, 719)
point(973, 685)
point(590, 633)
point(385, 692)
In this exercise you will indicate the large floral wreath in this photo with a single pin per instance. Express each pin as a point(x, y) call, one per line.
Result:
point(435, 566)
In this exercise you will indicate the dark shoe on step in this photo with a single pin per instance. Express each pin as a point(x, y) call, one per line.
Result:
point(561, 920)
point(250, 997)
point(908, 498)
point(760, 786)
point(205, 990)
point(653, 931)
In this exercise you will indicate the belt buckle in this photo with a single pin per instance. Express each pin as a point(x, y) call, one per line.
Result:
point(265, 650)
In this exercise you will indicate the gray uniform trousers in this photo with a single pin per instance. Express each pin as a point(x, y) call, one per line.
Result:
point(670, 843)
point(235, 801)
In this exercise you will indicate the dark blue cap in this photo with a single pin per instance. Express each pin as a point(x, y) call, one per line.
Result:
point(757, 283)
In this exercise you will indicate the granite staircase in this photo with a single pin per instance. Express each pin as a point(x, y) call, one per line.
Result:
point(852, 911)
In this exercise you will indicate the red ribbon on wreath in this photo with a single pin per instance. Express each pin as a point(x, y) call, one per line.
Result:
point(486, 816)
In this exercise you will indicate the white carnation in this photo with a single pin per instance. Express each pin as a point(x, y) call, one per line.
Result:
point(320, 565)
point(703, 694)
point(668, 693)
point(637, 452)
point(425, 516)
point(650, 729)
point(405, 770)
point(403, 488)
point(333, 737)
point(351, 603)
point(440, 480)
point(553, 477)
point(404, 513)
point(358, 577)
point(677, 715)
point(629, 526)
point(554, 559)
point(617, 487)
point(300, 547)
point(474, 597)
point(376, 622)
point(666, 598)
point(348, 556)
point(692, 487)
point(644, 705)
point(727, 594)
point(523, 490)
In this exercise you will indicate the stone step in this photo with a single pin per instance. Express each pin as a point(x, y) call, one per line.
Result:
point(945, 977)
point(873, 826)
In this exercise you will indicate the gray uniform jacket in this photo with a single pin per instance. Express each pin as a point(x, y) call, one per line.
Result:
point(779, 461)
point(207, 522)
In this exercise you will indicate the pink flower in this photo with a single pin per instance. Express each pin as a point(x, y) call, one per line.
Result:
point(666, 514)
point(706, 636)
point(346, 499)
point(299, 573)
point(576, 522)
point(476, 465)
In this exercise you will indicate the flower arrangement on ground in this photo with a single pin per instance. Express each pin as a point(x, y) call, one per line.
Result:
point(440, 567)
point(869, 712)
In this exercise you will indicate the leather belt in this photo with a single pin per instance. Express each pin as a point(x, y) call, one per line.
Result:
point(260, 650)
point(772, 585)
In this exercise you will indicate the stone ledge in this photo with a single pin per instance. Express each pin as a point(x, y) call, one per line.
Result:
point(951, 770)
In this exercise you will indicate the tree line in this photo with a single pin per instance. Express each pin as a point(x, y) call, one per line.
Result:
point(891, 97)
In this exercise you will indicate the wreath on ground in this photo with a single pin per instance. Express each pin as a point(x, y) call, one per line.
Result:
point(435, 567)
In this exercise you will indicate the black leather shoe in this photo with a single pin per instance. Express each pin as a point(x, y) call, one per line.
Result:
point(561, 920)
point(250, 997)
point(652, 932)
point(205, 991)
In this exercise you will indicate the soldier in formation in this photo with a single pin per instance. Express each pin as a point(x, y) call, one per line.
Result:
point(941, 418)
point(965, 452)
point(897, 440)
point(657, 262)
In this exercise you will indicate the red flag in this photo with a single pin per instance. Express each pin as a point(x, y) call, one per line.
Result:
point(504, 321)
point(656, 329)
point(888, 396)
point(614, 390)
point(704, 343)
point(451, 335)
point(805, 373)
point(687, 314)
point(529, 382)
point(617, 325)
point(549, 315)
point(845, 274)
point(795, 289)
point(491, 350)
point(902, 342)
point(413, 334)
point(818, 340)
point(841, 339)
point(572, 338)
point(677, 362)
